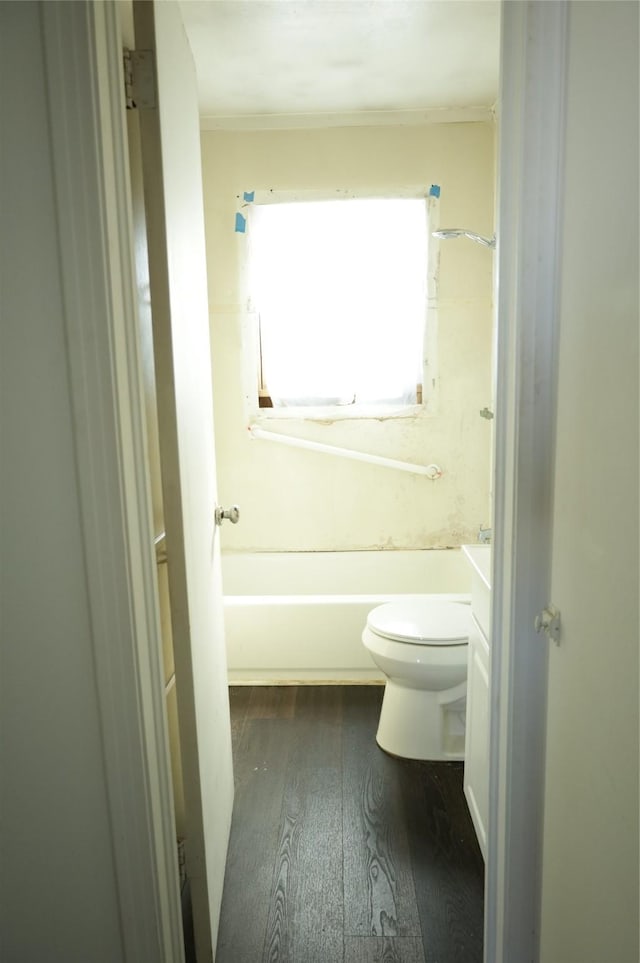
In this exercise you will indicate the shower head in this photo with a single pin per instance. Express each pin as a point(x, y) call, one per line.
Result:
point(450, 232)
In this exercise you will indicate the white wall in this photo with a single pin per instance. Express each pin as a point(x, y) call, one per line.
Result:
point(590, 864)
point(58, 898)
point(300, 500)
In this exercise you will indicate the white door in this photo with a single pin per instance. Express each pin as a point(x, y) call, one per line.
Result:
point(170, 141)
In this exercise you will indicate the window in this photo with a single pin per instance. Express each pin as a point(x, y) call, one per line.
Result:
point(339, 287)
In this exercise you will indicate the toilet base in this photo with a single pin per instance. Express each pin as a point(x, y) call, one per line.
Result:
point(415, 724)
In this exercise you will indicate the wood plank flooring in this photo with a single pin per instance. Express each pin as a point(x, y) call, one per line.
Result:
point(340, 853)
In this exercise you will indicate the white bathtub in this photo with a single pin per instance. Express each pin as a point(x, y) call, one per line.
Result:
point(298, 616)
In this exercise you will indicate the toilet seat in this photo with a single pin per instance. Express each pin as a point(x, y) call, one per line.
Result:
point(422, 622)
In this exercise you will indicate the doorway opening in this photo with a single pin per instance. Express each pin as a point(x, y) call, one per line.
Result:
point(286, 497)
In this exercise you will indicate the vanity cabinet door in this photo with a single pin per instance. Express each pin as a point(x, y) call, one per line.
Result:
point(476, 764)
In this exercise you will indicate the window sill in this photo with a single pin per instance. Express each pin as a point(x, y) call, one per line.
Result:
point(331, 413)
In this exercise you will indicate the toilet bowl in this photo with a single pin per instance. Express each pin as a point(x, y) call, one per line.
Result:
point(421, 647)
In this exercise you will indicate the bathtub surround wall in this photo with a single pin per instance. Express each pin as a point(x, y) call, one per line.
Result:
point(301, 501)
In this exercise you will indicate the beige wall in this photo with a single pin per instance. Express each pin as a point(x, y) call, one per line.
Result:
point(301, 500)
point(590, 865)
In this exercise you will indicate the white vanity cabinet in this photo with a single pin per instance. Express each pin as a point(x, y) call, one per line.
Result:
point(476, 762)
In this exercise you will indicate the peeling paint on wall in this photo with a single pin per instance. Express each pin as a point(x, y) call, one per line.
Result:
point(294, 500)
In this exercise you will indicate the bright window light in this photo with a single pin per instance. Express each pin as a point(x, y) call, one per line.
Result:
point(340, 290)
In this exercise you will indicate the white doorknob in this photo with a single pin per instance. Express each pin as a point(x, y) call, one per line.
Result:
point(232, 514)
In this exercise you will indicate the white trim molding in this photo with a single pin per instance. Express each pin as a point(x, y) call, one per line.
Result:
point(531, 137)
point(359, 118)
point(83, 52)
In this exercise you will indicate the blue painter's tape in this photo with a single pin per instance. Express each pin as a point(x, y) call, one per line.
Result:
point(249, 196)
point(241, 224)
point(434, 190)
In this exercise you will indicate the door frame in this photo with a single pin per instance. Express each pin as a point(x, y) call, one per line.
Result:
point(528, 270)
point(82, 49)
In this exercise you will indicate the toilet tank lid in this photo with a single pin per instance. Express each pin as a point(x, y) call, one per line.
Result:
point(422, 621)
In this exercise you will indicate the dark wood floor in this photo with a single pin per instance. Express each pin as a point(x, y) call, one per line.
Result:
point(338, 852)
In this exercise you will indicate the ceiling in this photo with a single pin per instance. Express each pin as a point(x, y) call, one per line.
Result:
point(271, 61)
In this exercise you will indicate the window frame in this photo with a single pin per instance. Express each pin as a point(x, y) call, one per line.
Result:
point(256, 394)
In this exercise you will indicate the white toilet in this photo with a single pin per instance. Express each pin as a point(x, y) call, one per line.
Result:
point(421, 646)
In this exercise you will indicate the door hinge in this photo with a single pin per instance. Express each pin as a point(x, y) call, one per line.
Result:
point(549, 622)
point(139, 79)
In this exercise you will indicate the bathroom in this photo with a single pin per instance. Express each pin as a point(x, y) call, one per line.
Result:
point(313, 523)
point(327, 533)
point(88, 797)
